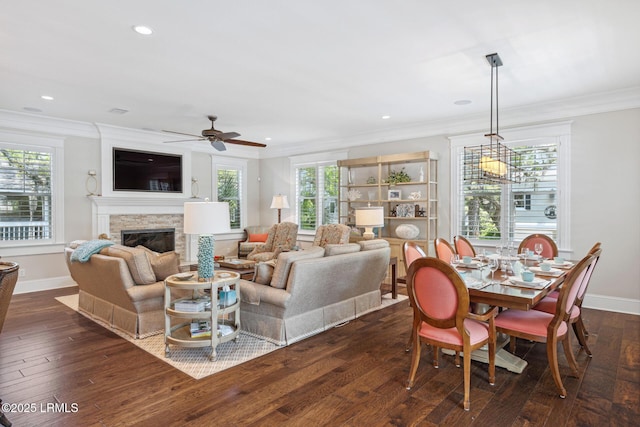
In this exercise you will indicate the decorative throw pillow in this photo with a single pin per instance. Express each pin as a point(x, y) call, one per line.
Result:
point(285, 259)
point(264, 272)
point(258, 237)
point(137, 261)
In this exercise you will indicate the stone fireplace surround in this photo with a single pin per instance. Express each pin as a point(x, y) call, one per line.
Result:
point(111, 215)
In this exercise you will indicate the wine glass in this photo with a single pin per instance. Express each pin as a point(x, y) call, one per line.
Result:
point(493, 266)
point(538, 249)
point(455, 258)
point(505, 266)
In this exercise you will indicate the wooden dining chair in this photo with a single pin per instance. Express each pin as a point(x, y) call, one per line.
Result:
point(444, 250)
point(549, 247)
point(548, 304)
point(539, 326)
point(440, 302)
point(8, 279)
point(411, 251)
point(463, 246)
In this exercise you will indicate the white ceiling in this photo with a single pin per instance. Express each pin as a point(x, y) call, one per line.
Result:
point(315, 74)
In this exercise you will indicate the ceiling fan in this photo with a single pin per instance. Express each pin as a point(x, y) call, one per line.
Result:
point(216, 137)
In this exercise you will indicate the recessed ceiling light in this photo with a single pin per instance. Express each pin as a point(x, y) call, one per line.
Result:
point(32, 109)
point(141, 29)
point(462, 102)
point(386, 117)
point(47, 97)
point(268, 138)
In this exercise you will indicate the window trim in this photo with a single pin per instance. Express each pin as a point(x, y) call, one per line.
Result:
point(236, 164)
point(315, 160)
point(55, 145)
point(558, 133)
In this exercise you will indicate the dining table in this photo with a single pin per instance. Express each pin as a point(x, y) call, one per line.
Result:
point(502, 292)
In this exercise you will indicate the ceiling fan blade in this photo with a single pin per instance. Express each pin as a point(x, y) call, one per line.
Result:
point(185, 140)
point(182, 133)
point(227, 135)
point(248, 143)
point(218, 145)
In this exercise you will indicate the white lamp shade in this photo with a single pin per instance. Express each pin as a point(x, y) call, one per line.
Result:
point(206, 217)
point(279, 202)
point(370, 216)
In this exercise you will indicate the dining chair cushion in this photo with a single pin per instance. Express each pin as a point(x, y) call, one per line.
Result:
point(533, 322)
point(548, 305)
point(478, 332)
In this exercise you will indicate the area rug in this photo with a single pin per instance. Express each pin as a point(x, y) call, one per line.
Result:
point(194, 361)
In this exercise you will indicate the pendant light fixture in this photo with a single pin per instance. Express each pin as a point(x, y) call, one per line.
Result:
point(492, 163)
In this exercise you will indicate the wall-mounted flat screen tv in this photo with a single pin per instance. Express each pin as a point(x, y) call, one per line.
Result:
point(135, 170)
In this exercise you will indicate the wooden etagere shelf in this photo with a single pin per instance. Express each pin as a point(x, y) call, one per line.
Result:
point(414, 201)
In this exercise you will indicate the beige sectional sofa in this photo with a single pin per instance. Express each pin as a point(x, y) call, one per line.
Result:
point(124, 287)
point(313, 290)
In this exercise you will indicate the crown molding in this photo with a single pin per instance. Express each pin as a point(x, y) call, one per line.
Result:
point(46, 125)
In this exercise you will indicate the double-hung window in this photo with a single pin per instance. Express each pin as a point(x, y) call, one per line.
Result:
point(230, 185)
point(316, 193)
point(487, 213)
point(31, 194)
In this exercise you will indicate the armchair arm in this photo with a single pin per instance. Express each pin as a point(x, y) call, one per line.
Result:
point(491, 312)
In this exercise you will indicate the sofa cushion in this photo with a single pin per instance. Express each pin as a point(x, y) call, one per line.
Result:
point(137, 261)
point(258, 237)
point(163, 264)
point(336, 249)
point(264, 272)
point(285, 259)
point(368, 245)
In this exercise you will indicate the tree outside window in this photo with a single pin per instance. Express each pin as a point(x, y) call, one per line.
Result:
point(317, 195)
point(229, 191)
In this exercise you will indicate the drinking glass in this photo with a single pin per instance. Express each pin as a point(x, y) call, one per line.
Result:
point(455, 258)
point(505, 267)
point(538, 248)
point(493, 266)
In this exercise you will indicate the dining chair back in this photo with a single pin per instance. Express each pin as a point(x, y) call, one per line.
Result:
point(440, 302)
point(411, 252)
point(540, 326)
point(444, 250)
point(8, 279)
point(463, 246)
point(548, 303)
point(549, 247)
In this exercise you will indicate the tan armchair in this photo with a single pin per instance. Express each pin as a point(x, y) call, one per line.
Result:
point(252, 235)
point(282, 237)
point(332, 234)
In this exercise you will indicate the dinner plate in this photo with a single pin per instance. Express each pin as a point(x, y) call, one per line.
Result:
point(541, 272)
point(469, 264)
point(183, 276)
point(536, 283)
point(565, 264)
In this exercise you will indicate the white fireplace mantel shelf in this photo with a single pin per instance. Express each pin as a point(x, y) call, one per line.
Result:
point(137, 205)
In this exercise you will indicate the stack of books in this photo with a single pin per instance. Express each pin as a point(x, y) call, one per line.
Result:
point(200, 328)
point(193, 305)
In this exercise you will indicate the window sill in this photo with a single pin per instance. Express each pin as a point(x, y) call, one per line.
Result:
point(31, 249)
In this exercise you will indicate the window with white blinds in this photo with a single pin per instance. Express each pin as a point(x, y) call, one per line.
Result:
point(231, 188)
point(316, 194)
point(512, 212)
point(26, 194)
point(489, 213)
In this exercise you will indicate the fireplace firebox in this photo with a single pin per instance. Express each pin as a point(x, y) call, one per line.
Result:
point(158, 240)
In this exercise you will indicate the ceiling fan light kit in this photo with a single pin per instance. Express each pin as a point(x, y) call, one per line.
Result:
point(216, 137)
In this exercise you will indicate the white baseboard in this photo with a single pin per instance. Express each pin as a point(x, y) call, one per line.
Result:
point(23, 287)
point(606, 303)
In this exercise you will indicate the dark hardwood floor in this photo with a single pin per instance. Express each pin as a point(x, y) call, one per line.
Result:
point(353, 375)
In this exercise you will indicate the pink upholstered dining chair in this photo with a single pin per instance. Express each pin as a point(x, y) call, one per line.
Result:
point(440, 302)
point(463, 246)
point(411, 251)
point(444, 250)
point(549, 248)
point(548, 304)
point(548, 328)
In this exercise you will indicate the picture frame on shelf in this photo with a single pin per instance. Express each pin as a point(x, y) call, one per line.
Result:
point(395, 194)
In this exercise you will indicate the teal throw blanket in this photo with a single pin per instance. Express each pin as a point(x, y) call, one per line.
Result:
point(83, 252)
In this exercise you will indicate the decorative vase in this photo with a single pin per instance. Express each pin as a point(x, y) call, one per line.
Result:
point(407, 231)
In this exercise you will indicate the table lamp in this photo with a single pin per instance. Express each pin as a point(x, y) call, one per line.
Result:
point(369, 217)
point(206, 219)
point(279, 202)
